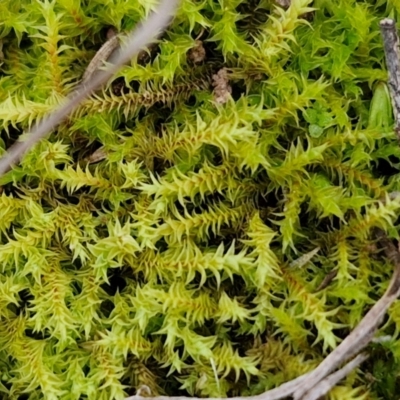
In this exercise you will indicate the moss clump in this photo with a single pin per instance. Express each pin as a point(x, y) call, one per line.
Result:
point(190, 256)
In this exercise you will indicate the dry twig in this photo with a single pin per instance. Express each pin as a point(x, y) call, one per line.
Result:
point(323, 387)
point(99, 155)
point(327, 280)
point(363, 334)
point(102, 55)
point(318, 382)
point(136, 41)
point(391, 46)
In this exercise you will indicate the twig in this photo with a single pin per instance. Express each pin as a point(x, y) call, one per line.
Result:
point(101, 56)
point(363, 334)
point(327, 280)
point(138, 39)
point(328, 383)
point(99, 155)
point(391, 46)
point(281, 392)
point(320, 380)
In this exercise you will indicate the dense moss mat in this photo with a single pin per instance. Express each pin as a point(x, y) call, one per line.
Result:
point(191, 257)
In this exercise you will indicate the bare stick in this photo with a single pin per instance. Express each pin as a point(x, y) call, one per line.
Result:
point(391, 46)
point(306, 386)
point(327, 280)
point(102, 55)
point(322, 388)
point(280, 392)
point(138, 39)
point(364, 332)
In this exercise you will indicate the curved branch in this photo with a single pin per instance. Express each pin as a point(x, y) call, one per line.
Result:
point(137, 40)
point(319, 381)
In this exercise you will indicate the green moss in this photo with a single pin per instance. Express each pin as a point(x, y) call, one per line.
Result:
point(187, 258)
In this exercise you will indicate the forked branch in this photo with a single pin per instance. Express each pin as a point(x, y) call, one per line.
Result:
point(318, 382)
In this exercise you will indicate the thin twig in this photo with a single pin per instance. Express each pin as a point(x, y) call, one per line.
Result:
point(280, 392)
point(320, 380)
point(330, 276)
point(137, 40)
point(363, 334)
point(101, 56)
point(391, 46)
point(323, 387)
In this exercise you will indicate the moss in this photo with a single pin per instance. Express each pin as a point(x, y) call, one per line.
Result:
point(189, 257)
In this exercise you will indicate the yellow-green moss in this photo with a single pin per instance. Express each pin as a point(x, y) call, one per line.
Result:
point(176, 260)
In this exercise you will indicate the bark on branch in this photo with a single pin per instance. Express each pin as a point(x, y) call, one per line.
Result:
point(391, 47)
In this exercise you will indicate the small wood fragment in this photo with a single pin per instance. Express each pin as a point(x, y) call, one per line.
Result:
point(323, 387)
point(327, 280)
point(143, 391)
point(283, 3)
point(99, 155)
point(304, 259)
point(102, 55)
point(391, 47)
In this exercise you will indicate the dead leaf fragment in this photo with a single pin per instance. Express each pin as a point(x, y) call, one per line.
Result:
point(283, 3)
point(222, 88)
point(197, 54)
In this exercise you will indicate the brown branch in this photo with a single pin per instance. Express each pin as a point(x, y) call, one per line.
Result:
point(102, 55)
point(391, 47)
point(137, 40)
point(327, 280)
